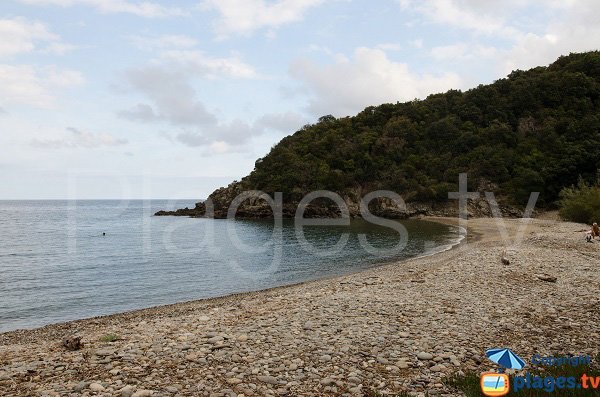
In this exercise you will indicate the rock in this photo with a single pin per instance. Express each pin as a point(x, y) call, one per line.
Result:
point(424, 356)
point(81, 386)
point(215, 339)
point(308, 325)
point(234, 381)
point(268, 379)
point(547, 278)
point(436, 368)
point(143, 393)
point(97, 387)
point(402, 364)
point(72, 343)
point(242, 338)
point(326, 381)
point(354, 379)
point(127, 391)
point(325, 358)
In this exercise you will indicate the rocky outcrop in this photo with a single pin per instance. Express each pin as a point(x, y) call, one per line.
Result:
point(252, 206)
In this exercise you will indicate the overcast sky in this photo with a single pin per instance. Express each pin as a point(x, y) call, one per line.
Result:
point(172, 99)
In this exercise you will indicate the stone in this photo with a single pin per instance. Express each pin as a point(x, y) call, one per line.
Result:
point(268, 379)
point(143, 393)
point(325, 358)
point(215, 339)
point(424, 356)
point(127, 391)
point(97, 387)
point(81, 386)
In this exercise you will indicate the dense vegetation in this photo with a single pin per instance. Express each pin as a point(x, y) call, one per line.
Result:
point(581, 203)
point(536, 130)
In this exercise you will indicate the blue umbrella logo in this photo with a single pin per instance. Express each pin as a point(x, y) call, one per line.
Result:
point(505, 358)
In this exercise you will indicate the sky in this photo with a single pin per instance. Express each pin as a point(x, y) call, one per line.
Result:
point(172, 99)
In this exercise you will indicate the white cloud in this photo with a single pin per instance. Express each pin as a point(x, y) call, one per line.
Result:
point(146, 9)
point(20, 35)
point(577, 30)
point(75, 138)
point(246, 16)
point(200, 64)
point(172, 41)
point(526, 39)
point(463, 51)
point(481, 16)
point(369, 78)
point(30, 85)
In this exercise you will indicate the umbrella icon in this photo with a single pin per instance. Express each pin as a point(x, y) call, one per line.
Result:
point(505, 358)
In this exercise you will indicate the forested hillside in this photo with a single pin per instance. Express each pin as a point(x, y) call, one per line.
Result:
point(535, 130)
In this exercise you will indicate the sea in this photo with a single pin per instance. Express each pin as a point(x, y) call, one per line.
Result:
point(74, 259)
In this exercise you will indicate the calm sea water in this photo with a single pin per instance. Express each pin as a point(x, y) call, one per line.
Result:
point(55, 264)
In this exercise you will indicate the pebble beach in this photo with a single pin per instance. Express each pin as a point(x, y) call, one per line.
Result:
point(399, 328)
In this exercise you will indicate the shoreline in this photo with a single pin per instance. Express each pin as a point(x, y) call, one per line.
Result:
point(342, 335)
point(443, 220)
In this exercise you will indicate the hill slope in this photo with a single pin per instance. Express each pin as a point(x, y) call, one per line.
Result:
point(536, 130)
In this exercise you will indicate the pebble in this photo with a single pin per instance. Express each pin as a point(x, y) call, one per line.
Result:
point(268, 379)
point(97, 387)
point(424, 356)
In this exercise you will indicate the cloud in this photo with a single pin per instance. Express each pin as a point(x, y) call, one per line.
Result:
point(560, 27)
point(2, 111)
point(171, 41)
point(198, 63)
point(75, 138)
point(21, 36)
point(231, 136)
point(481, 16)
point(463, 51)
point(35, 86)
point(168, 86)
point(246, 16)
point(287, 122)
point(147, 9)
point(574, 29)
point(347, 86)
point(172, 95)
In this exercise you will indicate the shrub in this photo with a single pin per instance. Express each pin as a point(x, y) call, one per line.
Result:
point(110, 338)
point(581, 203)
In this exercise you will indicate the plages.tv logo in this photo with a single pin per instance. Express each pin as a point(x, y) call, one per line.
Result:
point(495, 384)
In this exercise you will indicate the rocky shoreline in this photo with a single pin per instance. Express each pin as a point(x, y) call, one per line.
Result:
point(220, 201)
point(400, 327)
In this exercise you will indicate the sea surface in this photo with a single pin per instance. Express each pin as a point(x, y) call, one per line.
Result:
point(56, 265)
